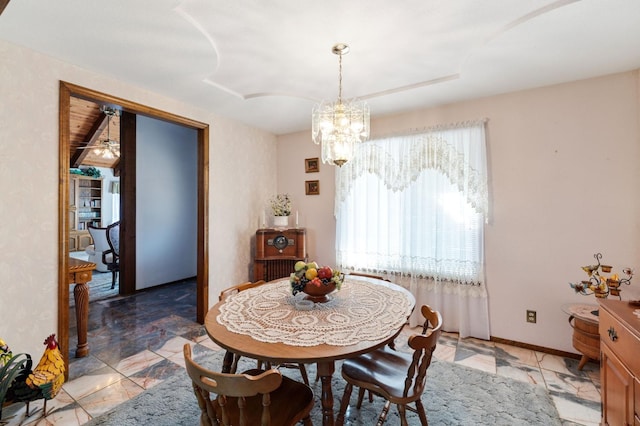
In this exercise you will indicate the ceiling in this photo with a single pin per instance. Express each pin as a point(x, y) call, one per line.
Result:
point(88, 127)
point(266, 63)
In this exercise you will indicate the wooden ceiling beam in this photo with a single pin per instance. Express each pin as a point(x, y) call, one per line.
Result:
point(3, 4)
point(92, 137)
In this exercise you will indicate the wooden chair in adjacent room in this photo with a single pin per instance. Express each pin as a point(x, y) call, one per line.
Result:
point(234, 366)
point(255, 397)
point(399, 377)
point(99, 246)
point(111, 257)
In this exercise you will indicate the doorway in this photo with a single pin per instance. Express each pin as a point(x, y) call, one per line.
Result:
point(127, 177)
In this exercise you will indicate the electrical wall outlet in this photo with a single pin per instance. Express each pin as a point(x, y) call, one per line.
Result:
point(531, 316)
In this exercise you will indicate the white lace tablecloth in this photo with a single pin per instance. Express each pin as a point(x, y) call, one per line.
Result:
point(359, 311)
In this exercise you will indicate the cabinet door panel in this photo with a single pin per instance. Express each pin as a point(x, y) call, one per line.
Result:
point(617, 390)
point(73, 243)
point(73, 191)
point(73, 220)
point(636, 405)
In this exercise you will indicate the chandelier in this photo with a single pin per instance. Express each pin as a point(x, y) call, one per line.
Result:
point(340, 125)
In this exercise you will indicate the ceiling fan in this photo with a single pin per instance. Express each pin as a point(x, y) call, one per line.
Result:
point(106, 148)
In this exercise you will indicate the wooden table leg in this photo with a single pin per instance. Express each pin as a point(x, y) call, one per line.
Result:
point(583, 362)
point(325, 371)
point(80, 274)
point(81, 296)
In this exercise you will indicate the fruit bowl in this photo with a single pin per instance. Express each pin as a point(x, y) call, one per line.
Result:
point(316, 282)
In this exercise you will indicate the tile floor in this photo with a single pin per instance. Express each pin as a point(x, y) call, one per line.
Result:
point(136, 342)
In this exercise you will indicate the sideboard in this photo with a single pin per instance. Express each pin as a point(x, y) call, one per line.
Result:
point(619, 363)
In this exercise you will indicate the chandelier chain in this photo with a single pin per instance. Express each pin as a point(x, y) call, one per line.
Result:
point(340, 78)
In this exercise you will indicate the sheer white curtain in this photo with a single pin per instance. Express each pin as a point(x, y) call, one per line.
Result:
point(413, 207)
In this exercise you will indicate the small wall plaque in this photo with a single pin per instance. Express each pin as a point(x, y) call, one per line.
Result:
point(312, 187)
point(311, 165)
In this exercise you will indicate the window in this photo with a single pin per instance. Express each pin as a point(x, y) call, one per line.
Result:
point(415, 205)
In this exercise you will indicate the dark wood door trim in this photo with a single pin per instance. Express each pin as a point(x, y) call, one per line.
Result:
point(203, 224)
point(128, 203)
point(68, 90)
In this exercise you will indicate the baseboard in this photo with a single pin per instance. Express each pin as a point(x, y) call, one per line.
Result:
point(535, 348)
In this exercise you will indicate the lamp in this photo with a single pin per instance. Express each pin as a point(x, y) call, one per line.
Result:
point(339, 125)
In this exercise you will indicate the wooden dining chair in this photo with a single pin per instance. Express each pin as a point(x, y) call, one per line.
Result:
point(399, 377)
point(255, 397)
point(238, 288)
point(234, 365)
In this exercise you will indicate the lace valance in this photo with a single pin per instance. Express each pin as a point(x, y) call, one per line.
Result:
point(456, 152)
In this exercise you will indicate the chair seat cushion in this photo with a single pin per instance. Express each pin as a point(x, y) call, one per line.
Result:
point(285, 403)
point(383, 371)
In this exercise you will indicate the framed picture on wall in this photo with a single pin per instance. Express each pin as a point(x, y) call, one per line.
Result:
point(311, 165)
point(312, 187)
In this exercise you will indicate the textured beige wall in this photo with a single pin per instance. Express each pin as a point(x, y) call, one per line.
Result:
point(239, 188)
point(564, 167)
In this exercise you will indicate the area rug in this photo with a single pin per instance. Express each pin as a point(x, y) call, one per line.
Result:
point(99, 288)
point(455, 395)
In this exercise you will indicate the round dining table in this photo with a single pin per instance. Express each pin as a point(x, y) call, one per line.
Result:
point(270, 324)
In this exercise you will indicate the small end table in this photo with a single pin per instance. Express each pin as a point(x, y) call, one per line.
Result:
point(586, 338)
point(80, 275)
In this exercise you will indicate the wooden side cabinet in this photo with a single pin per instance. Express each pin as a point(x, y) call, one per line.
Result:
point(619, 363)
point(277, 251)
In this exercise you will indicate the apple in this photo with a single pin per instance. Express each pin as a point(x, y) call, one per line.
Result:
point(300, 264)
point(313, 265)
point(325, 272)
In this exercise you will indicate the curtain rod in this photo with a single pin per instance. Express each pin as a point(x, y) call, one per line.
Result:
point(428, 129)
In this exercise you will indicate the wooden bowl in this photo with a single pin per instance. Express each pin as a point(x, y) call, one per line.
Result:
point(318, 294)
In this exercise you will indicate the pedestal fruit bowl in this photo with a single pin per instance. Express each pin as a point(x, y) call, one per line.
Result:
point(315, 281)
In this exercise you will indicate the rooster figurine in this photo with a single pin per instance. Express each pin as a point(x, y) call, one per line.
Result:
point(44, 381)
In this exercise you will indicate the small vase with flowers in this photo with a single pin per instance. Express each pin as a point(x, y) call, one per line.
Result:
point(281, 208)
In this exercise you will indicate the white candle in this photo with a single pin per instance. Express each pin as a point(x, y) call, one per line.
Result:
point(263, 220)
point(296, 218)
